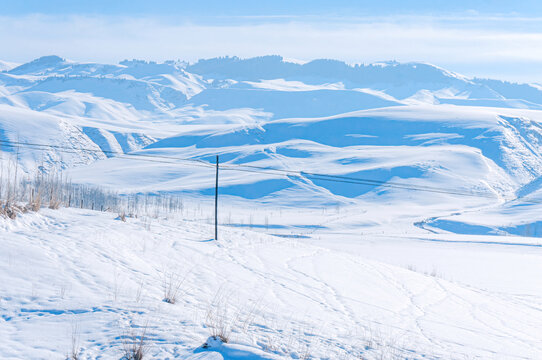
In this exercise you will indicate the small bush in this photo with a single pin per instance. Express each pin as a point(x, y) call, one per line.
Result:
point(134, 346)
point(219, 318)
point(34, 203)
point(7, 210)
point(75, 352)
point(171, 284)
point(54, 204)
point(10, 210)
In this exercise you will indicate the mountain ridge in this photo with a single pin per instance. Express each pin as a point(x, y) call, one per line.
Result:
point(152, 102)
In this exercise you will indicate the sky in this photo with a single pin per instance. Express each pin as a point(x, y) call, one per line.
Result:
point(497, 39)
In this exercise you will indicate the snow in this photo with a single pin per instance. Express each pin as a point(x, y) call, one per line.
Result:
point(436, 255)
point(7, 65)
point(157, 100)
point(81, 267)
point(283, 85)
point(476, 150)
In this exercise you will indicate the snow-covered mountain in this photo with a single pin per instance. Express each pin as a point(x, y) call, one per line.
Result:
point(436, 176)
point(7, 65)
point(127, 106)
point(414, 123)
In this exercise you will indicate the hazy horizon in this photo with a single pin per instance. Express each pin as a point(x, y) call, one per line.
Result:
point(472, 38)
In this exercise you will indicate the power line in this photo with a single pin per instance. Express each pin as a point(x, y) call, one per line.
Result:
point(350, 180)
point(262, 170)
point(376, 182)
point(146, 157)
point(301, 174)
point(98, 151)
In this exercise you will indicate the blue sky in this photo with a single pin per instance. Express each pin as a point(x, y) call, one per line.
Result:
point(500, 39)
point(266, 7)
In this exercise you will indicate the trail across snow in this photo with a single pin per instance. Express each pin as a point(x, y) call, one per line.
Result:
point(78, 269)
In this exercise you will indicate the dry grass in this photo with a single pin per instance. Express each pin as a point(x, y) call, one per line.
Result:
point(134, 345)
point(54, 204)
point(219, 319)
point(10, 210)
point(171, 284)
point(35, 202)
point(21, 192)
point(222, 317)
point(75, 351)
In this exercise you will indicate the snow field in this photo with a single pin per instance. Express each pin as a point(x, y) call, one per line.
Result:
point(279, 297)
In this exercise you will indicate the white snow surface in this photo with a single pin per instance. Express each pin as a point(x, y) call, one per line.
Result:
point(81, 269)
point(149, 101)
point(7, 65)
point(303, 265)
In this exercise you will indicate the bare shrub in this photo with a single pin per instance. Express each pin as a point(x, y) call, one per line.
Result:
point(246, 319)
point(8, 210)
point(63, 288)
point(34, 204)
point(116, 284)
point(139, 291)
point(75, 351)
point(54, 204)
point(433, 273)
point(146, 221)
point(134, 345)
point(11, 209)
point(220, 317)
point(171, 284)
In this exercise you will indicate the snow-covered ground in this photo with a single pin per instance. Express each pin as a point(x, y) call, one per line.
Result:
point(370, 211)
point(86, 274)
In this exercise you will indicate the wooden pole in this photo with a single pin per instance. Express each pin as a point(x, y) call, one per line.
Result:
point(216, 201)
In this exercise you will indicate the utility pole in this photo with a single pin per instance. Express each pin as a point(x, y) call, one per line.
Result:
point(216, 201)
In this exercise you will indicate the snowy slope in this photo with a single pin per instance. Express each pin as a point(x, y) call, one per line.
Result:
point(20, 125)
point(490, 151)
point(283, 298)
point(6, 65)
point(151, 100)
point(304, 265)
point(413, 123)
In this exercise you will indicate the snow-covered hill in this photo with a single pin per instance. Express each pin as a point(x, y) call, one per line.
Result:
point(413, 123)
point(6, 65)
point(147, 101)
point(127, 106)
point(78, 275)
point(354, 172)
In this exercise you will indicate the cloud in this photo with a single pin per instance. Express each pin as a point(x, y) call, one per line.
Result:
point(455, 43)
